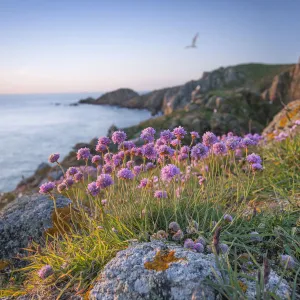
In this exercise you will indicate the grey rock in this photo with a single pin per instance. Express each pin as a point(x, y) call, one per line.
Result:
point(125, 277)
point(23, 219)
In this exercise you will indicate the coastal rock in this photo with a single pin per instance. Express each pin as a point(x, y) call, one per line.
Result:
point(157, 270)
point(119, 97)
point(25, 219)
point(285, 119)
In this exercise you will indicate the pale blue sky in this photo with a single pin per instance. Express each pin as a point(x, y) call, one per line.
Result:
point(78, 46)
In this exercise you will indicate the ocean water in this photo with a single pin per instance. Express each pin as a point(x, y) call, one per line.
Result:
point(33, 126)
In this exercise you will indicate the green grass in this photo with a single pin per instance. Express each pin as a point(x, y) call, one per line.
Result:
point(260, 76)
point(82, 248)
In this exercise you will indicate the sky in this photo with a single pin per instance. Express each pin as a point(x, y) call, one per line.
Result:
point(59, 46)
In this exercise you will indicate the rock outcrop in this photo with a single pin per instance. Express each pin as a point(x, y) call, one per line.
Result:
point(284, 88)
point(285, 119)
point(25, 219)
point(119, 97)
point(159, 271)
point(169, 99)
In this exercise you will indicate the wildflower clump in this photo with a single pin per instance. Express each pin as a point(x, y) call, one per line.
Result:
point(133, 189)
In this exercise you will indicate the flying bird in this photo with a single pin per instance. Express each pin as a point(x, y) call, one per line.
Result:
point(193, 45)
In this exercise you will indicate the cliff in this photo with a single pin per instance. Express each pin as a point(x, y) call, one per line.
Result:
point(255, 77)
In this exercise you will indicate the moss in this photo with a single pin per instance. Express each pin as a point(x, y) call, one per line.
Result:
point(162, 260)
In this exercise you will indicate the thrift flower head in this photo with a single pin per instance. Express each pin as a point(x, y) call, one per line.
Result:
point(281, 136)
point(78, 177)
point(168, 172)
point(183, 156)
point(160, 194)
point(148, 134)
point(45, 271)
point(288, 261)
point(179, 132)
point(150, 166)
point(47, 187)
point(219, 148)
point(209, 139)
point(201, 240)
point(126, 145)
point(108, 157)
point(83, 153)
point(96, 159)
point(223, 248)
point(232, 143)
point(130, 164)
point(247, 142)
point(53, 157)
point(254, 159)
point(198, 247)
point(228, 218)
point(178, 236)
point(137, 170)
point(166, 136)
point(189, 244)
point(61, 187)
point(118, 137)
point(116, 160)
point(71, 171)
point(93, 189)
point(185, 149)
point(137, 151)
point(256, 167)
point(104, 180)
point(175, 143)
point(165, 150)
point(101, 148)
point(125, 174)
point(69, 181)
point(149, 151)
point(143, 183)
point(104, 141)
point(199, 151)
point(107, 169)
point(194, 135)
point(297, 122)
point(174, 226)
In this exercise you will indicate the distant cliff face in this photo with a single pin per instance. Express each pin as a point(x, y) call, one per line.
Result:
point(168, 100)
point(284, 88)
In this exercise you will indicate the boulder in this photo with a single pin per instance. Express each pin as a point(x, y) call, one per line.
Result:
point(285, 119)
point(157, 270)
point(25, 219)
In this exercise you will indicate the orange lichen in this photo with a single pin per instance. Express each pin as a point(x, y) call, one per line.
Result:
point(243, 286)
point(289, 116)
point(162, 260)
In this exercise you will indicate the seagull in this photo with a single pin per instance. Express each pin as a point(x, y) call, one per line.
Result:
point(193, 45)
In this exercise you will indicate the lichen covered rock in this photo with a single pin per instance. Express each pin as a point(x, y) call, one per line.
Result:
point(25, 219)
point(157, 270)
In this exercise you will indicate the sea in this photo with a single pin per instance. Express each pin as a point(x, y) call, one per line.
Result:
point(34, 126)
